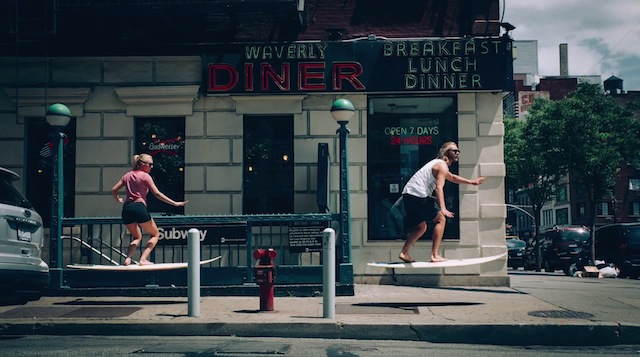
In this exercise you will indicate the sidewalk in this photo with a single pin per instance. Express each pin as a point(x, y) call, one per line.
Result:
point(535, 310)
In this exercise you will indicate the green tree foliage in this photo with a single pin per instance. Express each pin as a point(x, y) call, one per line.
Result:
point(601, 138)
point(586, 134)
point(533, 156)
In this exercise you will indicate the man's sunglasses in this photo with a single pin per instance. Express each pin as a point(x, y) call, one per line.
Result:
point(147, 163)
point(455, 151)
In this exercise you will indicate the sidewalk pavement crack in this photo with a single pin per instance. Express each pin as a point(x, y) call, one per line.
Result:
point(418, 336)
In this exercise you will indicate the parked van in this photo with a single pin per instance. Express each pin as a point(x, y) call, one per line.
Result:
point(619, 244)
point(561, 246)
point(23, 273)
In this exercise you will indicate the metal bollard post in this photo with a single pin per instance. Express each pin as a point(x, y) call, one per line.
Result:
point(193, 272)
point(329, 273)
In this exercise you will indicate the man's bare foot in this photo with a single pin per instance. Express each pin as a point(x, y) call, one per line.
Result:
point(145, 262)
point(406, 258)
point(436, 259)
point(127, 262)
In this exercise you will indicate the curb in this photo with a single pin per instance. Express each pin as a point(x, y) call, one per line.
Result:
point(593, 334)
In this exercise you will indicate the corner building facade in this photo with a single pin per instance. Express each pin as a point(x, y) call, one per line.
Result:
point(235, 127)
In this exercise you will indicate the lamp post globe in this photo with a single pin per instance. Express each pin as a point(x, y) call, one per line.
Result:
point(342, 110)
point(58, 115)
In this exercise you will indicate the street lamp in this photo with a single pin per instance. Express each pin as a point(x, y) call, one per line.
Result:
point(342, 110)
point(58, 116)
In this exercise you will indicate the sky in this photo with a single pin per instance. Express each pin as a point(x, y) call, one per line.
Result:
point(603, 36)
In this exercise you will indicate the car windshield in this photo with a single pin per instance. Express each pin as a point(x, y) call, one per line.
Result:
point(516, 243)
point(9, 195)
point(634, 234)
point(578, 235)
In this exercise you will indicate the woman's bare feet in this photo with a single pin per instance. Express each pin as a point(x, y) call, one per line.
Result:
point(145, 262)
point(127, 262)
point(437, 258)
point(406, 258)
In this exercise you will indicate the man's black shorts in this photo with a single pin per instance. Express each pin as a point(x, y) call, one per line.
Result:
point(419, 210)
point(135, 212)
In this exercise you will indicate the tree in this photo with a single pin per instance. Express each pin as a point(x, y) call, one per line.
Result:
point(532, 157)
point(587, 135)
point(599, 138)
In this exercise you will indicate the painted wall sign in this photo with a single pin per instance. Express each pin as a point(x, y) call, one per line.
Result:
point(223, 234)
point(363, 66)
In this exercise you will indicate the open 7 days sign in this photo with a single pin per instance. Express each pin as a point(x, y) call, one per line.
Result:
point(209, 234)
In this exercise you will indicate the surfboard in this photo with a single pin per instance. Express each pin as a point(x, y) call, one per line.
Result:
point(446, 264)
point(135, 267)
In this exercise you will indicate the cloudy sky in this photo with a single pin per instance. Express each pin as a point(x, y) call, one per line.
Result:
point(603, 36)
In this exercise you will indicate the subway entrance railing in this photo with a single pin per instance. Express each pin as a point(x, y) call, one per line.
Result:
point(296, 237)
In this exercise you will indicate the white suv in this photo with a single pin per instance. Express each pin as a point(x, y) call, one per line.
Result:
point(23, 274)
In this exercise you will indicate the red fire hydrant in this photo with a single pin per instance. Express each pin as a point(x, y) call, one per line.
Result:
point(265, 275)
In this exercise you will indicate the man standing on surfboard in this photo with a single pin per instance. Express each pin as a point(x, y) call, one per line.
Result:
point(138, 183)
point(421, 207)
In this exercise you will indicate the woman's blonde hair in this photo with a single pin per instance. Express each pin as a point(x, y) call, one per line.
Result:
point(138, 159)
point(442, 154)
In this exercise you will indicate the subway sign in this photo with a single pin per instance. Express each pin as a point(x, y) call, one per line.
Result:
point(211, 234)
point(431, 65)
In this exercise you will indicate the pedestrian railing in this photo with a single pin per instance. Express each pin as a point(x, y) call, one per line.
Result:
point(297, 239)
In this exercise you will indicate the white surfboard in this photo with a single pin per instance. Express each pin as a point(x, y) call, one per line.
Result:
point(135, 267)
point(446, 264)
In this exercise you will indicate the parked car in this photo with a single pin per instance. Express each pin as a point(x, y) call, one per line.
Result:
point(618, 244)
point(561, 247)
point(23, 274)
point(515, 253)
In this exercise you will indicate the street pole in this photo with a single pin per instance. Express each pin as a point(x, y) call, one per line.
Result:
point(58, 116)
point(57, 201)
point(342, 110)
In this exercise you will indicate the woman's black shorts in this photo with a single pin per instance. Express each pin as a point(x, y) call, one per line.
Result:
point(419, 210)
point(135, 212)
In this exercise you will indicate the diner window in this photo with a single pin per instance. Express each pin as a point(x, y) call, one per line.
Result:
point(403, 134)
point(39, 168)
point(163, 138)
point(268, 164)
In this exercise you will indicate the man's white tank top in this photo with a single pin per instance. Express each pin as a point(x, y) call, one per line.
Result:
point(422, 183)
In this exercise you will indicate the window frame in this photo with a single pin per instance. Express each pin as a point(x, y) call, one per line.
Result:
point(393, 159)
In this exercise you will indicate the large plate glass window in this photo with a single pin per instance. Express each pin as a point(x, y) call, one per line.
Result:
point(163, 138)
point(268, 164)
point(404, 133)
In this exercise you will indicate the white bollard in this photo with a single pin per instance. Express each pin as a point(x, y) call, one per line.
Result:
point(193, 272)
point(329, 273)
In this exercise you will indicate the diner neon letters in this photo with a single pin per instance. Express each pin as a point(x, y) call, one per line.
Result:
point(311, 76)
